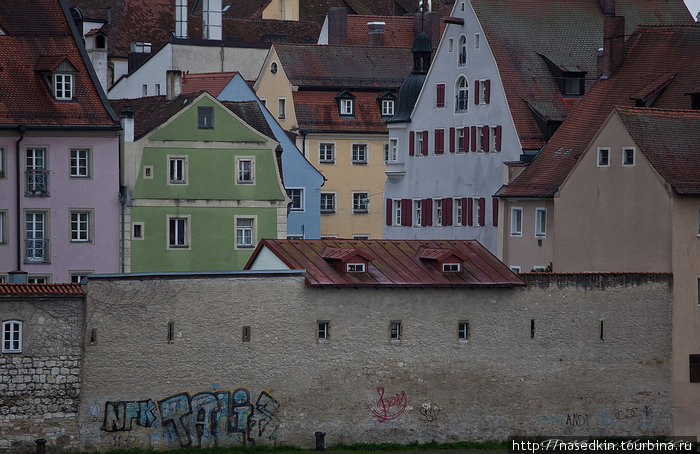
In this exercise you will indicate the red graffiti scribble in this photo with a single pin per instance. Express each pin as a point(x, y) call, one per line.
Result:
point(384, 405)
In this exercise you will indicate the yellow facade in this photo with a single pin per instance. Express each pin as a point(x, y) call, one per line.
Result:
point(282, 10)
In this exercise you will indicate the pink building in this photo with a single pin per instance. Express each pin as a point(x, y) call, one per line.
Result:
point(59, 150)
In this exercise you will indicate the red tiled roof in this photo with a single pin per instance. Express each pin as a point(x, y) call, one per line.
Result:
point(38, 38)
point(316, 10)
point(345, 66)
point(213, 83)
point(398, 32)
point(396, 263)
point(318, 111)
point(41, 289)
point(653, 51)
point(669, 140)
point(271, 30)
point(246, 9)
point(523, 33)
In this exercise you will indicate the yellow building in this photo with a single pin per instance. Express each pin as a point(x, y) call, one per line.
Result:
point(337, 99)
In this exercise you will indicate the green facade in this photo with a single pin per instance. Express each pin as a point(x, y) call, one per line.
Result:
point(209, 199)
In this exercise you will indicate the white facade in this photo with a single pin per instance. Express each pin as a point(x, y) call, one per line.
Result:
point(465, 175)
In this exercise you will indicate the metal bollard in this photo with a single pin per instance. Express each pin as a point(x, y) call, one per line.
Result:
point(320, 441)
point(40, 446)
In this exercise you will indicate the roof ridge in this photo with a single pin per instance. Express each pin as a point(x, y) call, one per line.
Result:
point(656, 109)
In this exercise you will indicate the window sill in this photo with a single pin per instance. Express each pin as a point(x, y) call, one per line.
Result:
point(360, 211)
point(359, 162)
point(327, 211)
point(240, 246)
point(326, 162)
point(245, 182)
point(516, 235)
point(170, 246)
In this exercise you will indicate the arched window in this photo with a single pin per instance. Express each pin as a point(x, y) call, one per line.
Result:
point(462, 94)
point(100, 42)
point(462, 50)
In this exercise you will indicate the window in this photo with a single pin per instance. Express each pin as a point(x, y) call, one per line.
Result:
point(450, 44)
point(573, 84)
point(540, 222)
point(462, 60)
point(478, 215)
point(245, 172)
point(297, 199)
point(63, 86)
point(539, 269)
point(457, 203)
point(482, 92)
point(437, 212)
point(419, 146)
point(12, 336)
point(492, 139)
point(363, 237)
point(36, 237)
point(477, 40)
point(3, 216)
point(346, 107)
point(694, 368)
point(157, 89)
point(77, 277)
point(144, 90)
point(205, 117)
point(460, 140)
point(515, 268)
point(148, 172)
point(359, 153)
point(440, 95)
point(37, 279)
point(177, 170)
point(326, 153)
point(79, 163)
point(244, 233)
point(480, 138)
point(395, 331)
point(80, 226)
point(177, 232)
point(697, 232)
point(417, 208)
point(137, 231)
point(439, 141)
point(628, 158)
point(327, 202)
point(273, 67)
point(451, 267)
point(387, 107)
point(462, 97)
point(245, 334)
point(2, 163)
point(393, 150)
point(516, 221)
point(36, 173)
point(463, 331)
point(397, 212)
point(603, 157)
point(323, 330)
point(355, 268)
point(281, 108)
point(360, 202)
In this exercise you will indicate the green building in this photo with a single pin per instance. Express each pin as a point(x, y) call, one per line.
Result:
point(201, 183)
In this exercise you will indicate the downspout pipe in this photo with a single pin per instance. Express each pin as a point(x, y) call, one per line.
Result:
point(21, 129)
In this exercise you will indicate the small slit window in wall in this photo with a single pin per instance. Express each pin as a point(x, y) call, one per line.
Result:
point(355, 267)
point(323, 333)
point(245, 334)
point(603, 157)
point(440, 95)
point(628, 156)
point(395, 331)
point(694, 368)
point(540, 222)
point(463, 331)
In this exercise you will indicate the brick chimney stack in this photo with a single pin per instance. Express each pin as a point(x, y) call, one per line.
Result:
point(613, 44)
point(375, 35)
point(337, 26)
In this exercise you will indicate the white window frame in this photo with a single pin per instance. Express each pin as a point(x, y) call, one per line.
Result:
point(333, 196)
point(477, 212)
point(323, 333)
point(539, 269)
point(361, 236)
point(323, 150)
point(515, 268)
point(540, 216)
point(79, 163)
point(347, 107)
point(77, 276)
point(38, 279)
point(158, 89)
point(462, 50)
point(457, 217)
point(179, 177)
point(418, 213)
point(516, 221)
point(241, 232)
point(451, 267)
point(395, 331)
point(357, 208)
point(419, 143)
point(492, 139)
point(357, 153)
point(144, 90)
point(450, 44)
point(240, 173)
point(44, 221)
point(397, 212)
point(282, 108)
point(387, 107)
point(477, 39)
point(460, 140)
point(147, 172)
point(437, 212)
point(393, 150)
point(480, 138)
point(463, 330)
point(461, 94)
point(205, 117)
point(12, 336)
point(302, 205)
point(624, 156)
point(482, 92)
point(603, 151)
point(65, 92)
point(355, 267)
point(181, 241)
point(80, 226)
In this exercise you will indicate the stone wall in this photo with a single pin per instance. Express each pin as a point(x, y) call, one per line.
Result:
point(569, 355)
point(40, 387)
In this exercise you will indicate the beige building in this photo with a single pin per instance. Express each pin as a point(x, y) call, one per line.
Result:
point(337, 99)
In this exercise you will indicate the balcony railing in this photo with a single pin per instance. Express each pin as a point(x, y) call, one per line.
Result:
point(37, 250)
point(37, 183)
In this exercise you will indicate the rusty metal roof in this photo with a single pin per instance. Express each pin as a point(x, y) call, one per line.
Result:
point(395, 263)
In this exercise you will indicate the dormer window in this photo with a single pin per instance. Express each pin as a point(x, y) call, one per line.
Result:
point(451, 267)
point(346, 104)
point(355, 268)
point(573, 83)
point(63, 87)
point(387, 104)
point(59, 75)
point(346, 107)
point(445, 260)
point(351, 260)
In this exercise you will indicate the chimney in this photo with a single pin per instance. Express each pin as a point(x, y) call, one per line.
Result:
point(212, 20)
point(337, 26)
point(607, 7)
point(613, 44)
point(375, 36)
point(126, 117)
point(173, 84)
point(181, 19)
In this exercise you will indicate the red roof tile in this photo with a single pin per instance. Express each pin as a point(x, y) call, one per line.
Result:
point(318, 111)
point(669, 140)
point(213, 83)
point(652, 52)
point(395, 263)
point(523, 33)
point(41, 289)
point(38, 39)
point(398, 32)
point(316, 10)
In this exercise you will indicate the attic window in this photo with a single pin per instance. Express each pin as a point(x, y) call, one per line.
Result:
point(451, 267)
point(355, 268)
point(63, 86)
point(100, 42)
point(346, 104)
point(573, 83)
point(140, 47)
point(273, 68)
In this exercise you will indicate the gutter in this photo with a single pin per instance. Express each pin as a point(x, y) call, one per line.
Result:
point(20, 130)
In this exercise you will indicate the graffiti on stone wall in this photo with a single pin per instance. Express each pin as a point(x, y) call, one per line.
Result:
point(577, 420)
point(388, 408)
point(429, 412)
point(199, 420)
point(642, 415)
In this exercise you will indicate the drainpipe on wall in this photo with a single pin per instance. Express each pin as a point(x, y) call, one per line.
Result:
point(303, 143)
point(21, 129)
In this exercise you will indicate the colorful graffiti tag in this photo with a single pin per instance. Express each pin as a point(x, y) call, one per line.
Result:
point(199, 420)
point(388, 408)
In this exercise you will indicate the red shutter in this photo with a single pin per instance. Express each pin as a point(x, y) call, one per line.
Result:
point(485, 138)
point(476, 92)
point(452, 140)
point(406, 212)
point(465, 135)
point(473, 138)
point(427, 214)
point(494, 209)
point(389, 211)
point(440, 95)
point(439, 141)
point(425, 143)
point(487, 90)
point(464, 210)
point(447, 211)
point(498, 137)
point(470, 211)
point(482, 211)
point(411, 142)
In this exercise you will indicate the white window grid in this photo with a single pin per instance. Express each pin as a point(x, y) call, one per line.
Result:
point(326, 152)
point(327, 202)
point(346, 107)
point(417, 213)
point(245, 237)
point(297, 199)
point(516, 221)
point(63, 86)
point(387, 107)
point(437, 218)
point(80, 226)
point(462, 94)
point(540, 222)
point(177, 170)
point(178, 232)
point(603, 159)
point(79, 162)
point(629, 156)
point(323, 330)
point(360, 202)
point(458, 212)
point(397, 212)
point(359, 153)
point(244, 171)
point(12, 336)
point(395, 330)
